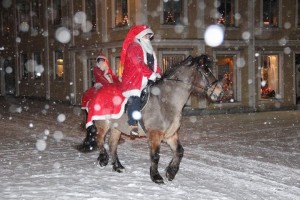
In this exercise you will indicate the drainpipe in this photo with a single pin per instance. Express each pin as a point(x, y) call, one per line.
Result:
point(252, 95)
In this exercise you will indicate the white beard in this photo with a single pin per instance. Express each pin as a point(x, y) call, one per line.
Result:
point(146, 45)
point(103, 66)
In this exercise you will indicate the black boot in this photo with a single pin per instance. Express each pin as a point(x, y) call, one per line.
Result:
point(89, 143)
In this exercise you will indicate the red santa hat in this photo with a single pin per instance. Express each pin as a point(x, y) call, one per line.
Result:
point(102, 56)
point(138, 32)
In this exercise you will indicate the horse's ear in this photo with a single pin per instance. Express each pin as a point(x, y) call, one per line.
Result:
point(203, 61)
point(188, 61)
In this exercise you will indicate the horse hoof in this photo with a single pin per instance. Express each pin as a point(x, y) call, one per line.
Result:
point(118, 169)
point(171, 172)
point(103, 159)
point(156, 178)
point(86, 148)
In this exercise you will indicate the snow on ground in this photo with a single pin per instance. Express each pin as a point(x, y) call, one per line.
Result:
point(227, 156)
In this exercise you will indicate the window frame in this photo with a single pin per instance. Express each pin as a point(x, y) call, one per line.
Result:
point(55, 65)
point(114, 10)
point(280, 82)
point(183, 20)
point(235, 11)
point(94, 20)
point(263, 25)
point(24, 74)
point(236, 77)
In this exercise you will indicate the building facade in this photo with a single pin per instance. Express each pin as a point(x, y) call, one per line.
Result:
point(48, 48)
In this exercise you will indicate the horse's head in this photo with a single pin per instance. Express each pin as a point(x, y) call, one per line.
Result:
point(205, 79)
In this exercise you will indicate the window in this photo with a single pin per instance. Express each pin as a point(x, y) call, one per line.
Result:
point(172, 12)
point(38, 67)
point(225, 71)
point(29, 16)
point(90, 76)
point(270, 13)
point(171, 59)
point(35, 14)
point(23, 69)
point(57, 12)
point(31, 66)
point(23, 11)
point(226, 9)
point(59, 65)
point(298, 14)
point(121, 13)
point(90, 10)
point(269, 72)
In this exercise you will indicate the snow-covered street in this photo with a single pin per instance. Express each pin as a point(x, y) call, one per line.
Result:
point(227, 156)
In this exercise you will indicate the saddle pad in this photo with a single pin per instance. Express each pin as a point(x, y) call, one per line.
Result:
point(107, 103)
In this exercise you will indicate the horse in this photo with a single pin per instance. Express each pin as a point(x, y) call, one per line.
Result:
point(161, 115)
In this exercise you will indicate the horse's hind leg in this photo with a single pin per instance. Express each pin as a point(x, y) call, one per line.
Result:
point(155, 138)
point(113, 146)
point(102, 129)
point(178, 150)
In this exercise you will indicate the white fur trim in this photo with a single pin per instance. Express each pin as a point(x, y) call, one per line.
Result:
point(130, 93)
point(144, 32)
point(107, 117)
point(100, 56)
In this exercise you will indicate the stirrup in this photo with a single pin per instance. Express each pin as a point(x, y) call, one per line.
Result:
point(134, 130)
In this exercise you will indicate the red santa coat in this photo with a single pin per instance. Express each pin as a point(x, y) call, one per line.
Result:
point(101, 80)
point(100, 76)
point(135, 70)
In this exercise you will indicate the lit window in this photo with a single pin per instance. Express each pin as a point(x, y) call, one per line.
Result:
point(225, 68)
point(172, 12)
point(227, 11)
point(121, 13)
point(171, 59)
point(59, 65)
point(270, 13)
point(269, 76)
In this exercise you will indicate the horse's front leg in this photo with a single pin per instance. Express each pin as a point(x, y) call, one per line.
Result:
point(177, 150)
point(102, 128)
point(155, 138)
point(113, 146)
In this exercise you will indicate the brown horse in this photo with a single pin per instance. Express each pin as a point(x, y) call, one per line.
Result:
point(162, 114)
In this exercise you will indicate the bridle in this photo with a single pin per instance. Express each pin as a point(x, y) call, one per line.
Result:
point(205, 77)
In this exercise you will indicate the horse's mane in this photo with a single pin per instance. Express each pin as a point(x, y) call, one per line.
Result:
point(188, 61)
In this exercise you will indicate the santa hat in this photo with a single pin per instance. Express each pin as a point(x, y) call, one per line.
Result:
point(138, 32)
point(102, 56)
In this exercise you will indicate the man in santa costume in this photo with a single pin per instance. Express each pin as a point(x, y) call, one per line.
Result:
point(103, 75)
point(140, 65)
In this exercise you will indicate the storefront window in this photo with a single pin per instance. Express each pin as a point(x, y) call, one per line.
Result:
point(225, 70)
point(269, 76)
point(121, 13)
point(172, 12)
point(227, 11)
point(270, 13)
point(171, 59)
point(59, 65)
